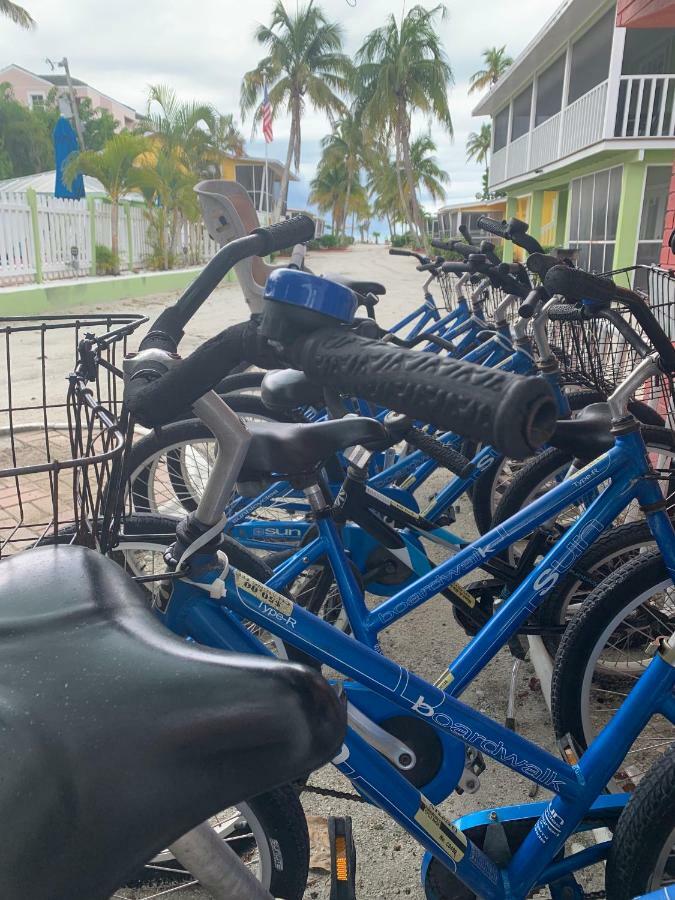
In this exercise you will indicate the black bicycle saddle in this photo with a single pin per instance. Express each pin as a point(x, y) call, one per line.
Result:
point(117, 737)
point(288, 389)
point(287, 449)
point(358, 285)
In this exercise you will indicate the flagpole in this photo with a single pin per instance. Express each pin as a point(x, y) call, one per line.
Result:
point(267, 187)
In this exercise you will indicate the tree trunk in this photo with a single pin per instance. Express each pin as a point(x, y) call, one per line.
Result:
point(282, 202)
point(349, 191)
point(115, 235)
point(399, 181)
point(415, 207)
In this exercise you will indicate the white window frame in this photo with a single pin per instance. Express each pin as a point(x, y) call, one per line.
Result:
point(579, 243)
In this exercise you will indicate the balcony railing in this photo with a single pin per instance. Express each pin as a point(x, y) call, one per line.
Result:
point(545, 139)
point(646, 106)
point(584, 120)
point(517, 161)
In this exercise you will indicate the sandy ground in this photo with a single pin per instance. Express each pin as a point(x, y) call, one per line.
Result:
point(388, 860)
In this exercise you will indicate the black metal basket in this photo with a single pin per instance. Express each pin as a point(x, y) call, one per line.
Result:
point(62, 437)
point(594, 353)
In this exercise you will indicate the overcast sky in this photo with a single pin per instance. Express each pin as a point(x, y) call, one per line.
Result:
point(202, 49)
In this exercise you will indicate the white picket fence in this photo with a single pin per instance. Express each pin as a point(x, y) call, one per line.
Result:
point(43, 238)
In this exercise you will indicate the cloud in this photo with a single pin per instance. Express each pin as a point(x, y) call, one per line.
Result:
point(202, 50)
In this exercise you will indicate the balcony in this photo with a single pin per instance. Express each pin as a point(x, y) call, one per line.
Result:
point(643, 106)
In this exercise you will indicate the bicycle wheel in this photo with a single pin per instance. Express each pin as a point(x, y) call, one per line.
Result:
point(169, 469)
point(642, 856)
point(545, 471)
point(611, 550)
point(269, 834)
point(603, 652)
point(490, 486)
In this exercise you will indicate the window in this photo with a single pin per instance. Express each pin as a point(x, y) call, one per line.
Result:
point(653, 216)
point(520, 124)
point(589, 65)
point(37, 101)
point(549, 91)
point(501, 130)
point(649, 51)
point(253, 179)
point(594, 213)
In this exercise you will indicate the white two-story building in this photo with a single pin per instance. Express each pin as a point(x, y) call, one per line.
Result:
point(583, 131)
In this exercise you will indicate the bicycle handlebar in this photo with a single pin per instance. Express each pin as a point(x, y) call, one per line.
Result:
point(397, 251)
point(511, 412)
point(514, 230)
point(577, 285)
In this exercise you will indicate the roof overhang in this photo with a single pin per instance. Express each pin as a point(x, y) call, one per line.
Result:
point(543, 49)
point(274, 165)
point(472, 205)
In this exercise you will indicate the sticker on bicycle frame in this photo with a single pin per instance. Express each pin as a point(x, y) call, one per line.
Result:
point(264, 594)
point(463, 595)
point(393, 503)
point(445, 679)
point(446, 835)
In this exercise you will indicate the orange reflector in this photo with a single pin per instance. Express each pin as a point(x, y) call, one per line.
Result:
point(340, 858)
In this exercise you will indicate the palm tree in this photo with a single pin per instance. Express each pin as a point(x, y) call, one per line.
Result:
point(17, 14)
point(402, 69)
point(328, 190)
point(346, 144)
point(304, 65)
point(116, 167)
point(226, 137)
point(478, 146)
point(427, 173)
point(496, 63)
point(179, 127)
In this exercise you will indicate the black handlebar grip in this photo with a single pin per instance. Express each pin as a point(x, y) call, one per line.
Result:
point(396, 251)
point(440, 245)
point(457, 268)
point(159, 391)
point(540, 263)
point(465, 250)
point(575, 284)
point(529, 307)
point(500, 229)
point(427, 267)
point(563, 312)
point(285, 234)
point(511, 412)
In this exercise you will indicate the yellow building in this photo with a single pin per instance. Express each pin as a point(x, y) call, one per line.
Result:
point(249, 172)
point(449, 218)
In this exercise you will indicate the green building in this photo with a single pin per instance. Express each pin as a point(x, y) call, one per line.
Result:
point(583, 135)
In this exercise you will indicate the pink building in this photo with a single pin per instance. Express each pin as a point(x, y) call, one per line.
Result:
point(32, 90)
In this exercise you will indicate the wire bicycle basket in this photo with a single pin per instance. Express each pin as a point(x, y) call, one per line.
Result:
point(599, 353)
point(62, 437)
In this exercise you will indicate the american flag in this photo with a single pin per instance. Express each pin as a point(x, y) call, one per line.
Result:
point(267, 118)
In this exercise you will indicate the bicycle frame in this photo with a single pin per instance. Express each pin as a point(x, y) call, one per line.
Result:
point(204, 611)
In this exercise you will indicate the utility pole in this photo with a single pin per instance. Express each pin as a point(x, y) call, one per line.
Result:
point(63, 64)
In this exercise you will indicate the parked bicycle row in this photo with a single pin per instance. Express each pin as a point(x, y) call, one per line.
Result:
point(264, 495)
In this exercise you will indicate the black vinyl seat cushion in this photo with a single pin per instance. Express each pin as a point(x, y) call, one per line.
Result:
point(287, 449)
point(289, 389)
point(358, 285)
point(117, 737)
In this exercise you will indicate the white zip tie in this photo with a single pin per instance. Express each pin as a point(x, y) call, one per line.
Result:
point(202, 540)
point(216, 589)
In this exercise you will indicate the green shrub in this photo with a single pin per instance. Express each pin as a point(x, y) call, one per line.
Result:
point(328, 240)
point(105, 261)
point(314, 244)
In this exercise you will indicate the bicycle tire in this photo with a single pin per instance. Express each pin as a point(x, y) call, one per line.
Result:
point(483, 493)
point(155, 443)
point(580, 671)
point(643, 832)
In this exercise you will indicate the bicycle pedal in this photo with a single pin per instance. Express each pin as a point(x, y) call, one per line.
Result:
point(342, 858)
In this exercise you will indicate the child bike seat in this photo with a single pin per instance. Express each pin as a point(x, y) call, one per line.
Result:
point(117, 738)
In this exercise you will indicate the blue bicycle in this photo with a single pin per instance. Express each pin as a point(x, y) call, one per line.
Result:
point(210, 602)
